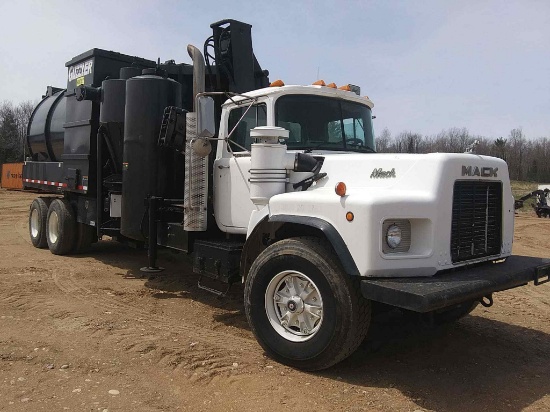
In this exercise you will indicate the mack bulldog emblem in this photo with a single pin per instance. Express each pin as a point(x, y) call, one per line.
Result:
point(479, 171)
point(382, 174)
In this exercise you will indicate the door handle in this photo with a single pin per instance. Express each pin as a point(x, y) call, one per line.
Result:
point(223, 167)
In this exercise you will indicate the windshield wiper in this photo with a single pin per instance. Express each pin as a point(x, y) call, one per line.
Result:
point(336, 146)
point(361, 149)
point(309, 149)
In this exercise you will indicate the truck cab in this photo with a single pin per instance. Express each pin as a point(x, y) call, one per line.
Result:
point(418, 214)
point(317, 118)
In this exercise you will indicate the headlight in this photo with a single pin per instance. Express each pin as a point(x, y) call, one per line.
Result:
point(396, 236)
point(393, 236)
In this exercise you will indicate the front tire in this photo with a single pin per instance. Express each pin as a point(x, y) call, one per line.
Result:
point(304, 310)
point(61, 227)
point(38, 216)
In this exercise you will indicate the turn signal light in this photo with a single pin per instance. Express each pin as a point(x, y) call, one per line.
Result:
point(319, 83)
point(277, 83)
point(340, 189)
point(349, 216)
point(346, 88)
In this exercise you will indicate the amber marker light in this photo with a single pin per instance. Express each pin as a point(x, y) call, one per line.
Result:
point(340, 189)
point(332, 85)
point(349, 216)
point(319, 83)
point(277, 83)
point(346, 88)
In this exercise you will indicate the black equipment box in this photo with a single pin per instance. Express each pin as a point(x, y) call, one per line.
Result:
point(218, 260)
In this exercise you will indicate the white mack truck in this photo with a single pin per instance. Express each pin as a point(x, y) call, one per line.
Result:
point(277, 186)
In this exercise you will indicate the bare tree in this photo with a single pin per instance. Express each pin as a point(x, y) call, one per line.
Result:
point(517, 148)
point(23, 114)
point(13, 130)
point(383, 141)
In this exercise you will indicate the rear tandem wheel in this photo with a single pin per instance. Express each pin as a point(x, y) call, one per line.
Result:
point(61, 227)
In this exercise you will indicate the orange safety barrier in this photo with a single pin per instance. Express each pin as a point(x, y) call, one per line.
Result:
point(12, 176)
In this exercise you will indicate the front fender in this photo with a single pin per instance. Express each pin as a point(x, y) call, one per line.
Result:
point(332, 235)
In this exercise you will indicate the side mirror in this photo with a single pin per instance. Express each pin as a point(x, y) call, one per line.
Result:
point(206, 125)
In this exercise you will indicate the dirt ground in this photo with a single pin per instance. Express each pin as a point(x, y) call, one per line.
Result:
point(91, 333)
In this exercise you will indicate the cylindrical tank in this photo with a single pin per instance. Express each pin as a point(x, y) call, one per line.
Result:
point(45, 132)
point(129, 72)
point(113, 101)
point(111, 117)
point(146, 98)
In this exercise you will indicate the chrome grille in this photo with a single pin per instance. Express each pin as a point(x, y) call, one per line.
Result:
point(477, 220)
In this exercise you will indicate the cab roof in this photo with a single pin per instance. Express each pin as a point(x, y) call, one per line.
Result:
point(296, 89)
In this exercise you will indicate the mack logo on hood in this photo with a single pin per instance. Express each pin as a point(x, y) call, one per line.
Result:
point(382, 174)
point(479, 171)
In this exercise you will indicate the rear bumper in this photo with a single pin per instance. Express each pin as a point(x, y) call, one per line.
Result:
point(447, 289)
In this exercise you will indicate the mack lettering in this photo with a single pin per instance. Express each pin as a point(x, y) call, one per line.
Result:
point(479, 171)
point(382, 174)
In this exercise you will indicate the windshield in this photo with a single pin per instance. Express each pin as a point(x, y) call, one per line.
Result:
point(317, 122)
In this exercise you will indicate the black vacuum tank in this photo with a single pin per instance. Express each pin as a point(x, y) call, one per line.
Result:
point(146, 98)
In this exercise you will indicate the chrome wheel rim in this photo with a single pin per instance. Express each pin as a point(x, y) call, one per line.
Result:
point(294, 306)
point(35, 223)
point(53, 227)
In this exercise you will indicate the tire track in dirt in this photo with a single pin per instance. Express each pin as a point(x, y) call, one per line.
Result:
point(218, 350)
point(208, 353)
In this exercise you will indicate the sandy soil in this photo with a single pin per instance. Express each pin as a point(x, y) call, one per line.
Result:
point(91, 333)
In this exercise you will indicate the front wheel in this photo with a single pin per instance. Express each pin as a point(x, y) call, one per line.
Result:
point(303, 308)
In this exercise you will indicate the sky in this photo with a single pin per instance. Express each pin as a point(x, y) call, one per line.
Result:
point(426, 65)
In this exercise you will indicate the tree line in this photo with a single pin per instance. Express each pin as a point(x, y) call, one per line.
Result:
point(13, 130)
point(527, 158)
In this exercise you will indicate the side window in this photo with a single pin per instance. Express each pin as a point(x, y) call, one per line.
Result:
point(256, 116)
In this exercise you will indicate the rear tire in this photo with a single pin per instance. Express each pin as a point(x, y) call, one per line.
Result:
point(60, 227)
point(303, 308)
point(38, 216)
